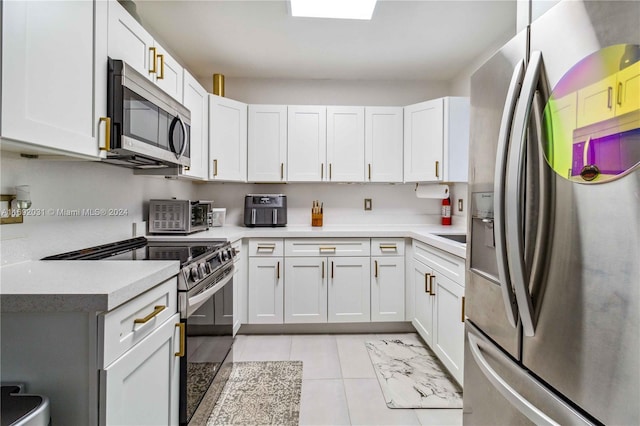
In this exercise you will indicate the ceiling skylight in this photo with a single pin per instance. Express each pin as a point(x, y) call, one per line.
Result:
point(337, 9)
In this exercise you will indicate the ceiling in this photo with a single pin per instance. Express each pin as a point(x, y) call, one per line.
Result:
point(405, 40)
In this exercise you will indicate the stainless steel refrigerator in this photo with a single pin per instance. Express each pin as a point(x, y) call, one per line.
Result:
point(553, 269)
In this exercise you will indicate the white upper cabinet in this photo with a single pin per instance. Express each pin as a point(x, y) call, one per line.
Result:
point(267, 144)
point(307, 135)
point(383, 144)
point(196, 99)
point(227, 139)
point(345, 144)
point(436, 140)
point(54, 76)
point(130, 42)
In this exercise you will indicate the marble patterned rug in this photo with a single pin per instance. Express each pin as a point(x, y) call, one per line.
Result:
point(260, 393)
point(411, 376)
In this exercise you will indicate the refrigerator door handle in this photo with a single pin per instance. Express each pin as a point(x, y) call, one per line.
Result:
point(514, 194)
point(498, 194)
point(532, 412)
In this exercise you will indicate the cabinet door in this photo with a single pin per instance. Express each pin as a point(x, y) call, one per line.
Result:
point(628, 90)
point(266, 290)
point(383, 144)
point(142, 386)
point(227, 139)
point(305, 294)
point(424, 301)
point(49, 52)
point(596, 102)
point(349, 289)
point(387, 288)
point(196, 99)
point(306, 145)
point(169, 73)
point(223, 305)
point(423, 141)
point(448, 335)
point(345, 144)
point(130, 42)
point(267, 144)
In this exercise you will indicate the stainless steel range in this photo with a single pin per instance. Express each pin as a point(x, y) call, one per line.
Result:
point(205, 303)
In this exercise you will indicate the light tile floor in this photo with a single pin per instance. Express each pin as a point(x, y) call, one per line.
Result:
point(339, 385)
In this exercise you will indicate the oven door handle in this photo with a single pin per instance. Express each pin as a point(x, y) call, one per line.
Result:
point(193, 303)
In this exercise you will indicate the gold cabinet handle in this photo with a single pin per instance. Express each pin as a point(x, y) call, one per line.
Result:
point(437, 169)
point(388, 247)
point(156, 310)
point(426, 283)
point(432, 290)
point(161, 74)
point(181, 351)
point(369, 171)
point(269, 247)
point(321, 171)
point(323, 269)
point(330, 171)
point(609, 96)
point(278, 270)
point(215, 168)
point(619, 96)
point(462, 315)
point(332, 269)
point(281, 170)
point(327, 249)
point(107, 133)
point(375, 264)
point(153, 60)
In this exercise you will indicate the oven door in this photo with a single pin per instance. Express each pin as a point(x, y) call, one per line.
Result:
point(207, 365)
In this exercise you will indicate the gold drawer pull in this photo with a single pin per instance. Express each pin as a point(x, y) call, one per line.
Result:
point(437, 169)
point(107, 133)
point(269, 247)
point(426, 283)
point(375, 262)
point(161, 74)
point(154, 60)
point(462, 316)
point(432, 290)
point(156, 310)
point(388, 247)
point(323, 269)
point(181, 326)
point(327, 248)
point(278, 271)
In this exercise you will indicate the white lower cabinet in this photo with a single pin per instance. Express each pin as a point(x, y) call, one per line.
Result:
point(139, 388)
point(439, 304)
point(387, 288)
point(305, 294)
point(266, 290)
point(349, 290)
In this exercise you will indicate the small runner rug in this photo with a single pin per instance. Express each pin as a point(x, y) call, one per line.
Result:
point(260, 393)
point(411, 376)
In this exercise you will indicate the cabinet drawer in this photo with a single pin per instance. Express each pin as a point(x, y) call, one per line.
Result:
point(326, 247)
point(441, 261)
point(118, 328)
point(387, 247)
point(265, 247)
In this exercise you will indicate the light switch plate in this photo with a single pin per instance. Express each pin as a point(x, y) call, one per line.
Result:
point(367, 204)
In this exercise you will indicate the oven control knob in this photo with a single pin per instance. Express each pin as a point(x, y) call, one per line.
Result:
point(221, 256)
point(207, 268)
point(203, 270)
point(195, 274)
point(225, 254)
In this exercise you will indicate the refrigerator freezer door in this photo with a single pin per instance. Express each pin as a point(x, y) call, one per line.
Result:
point(490, 87)
point(586, 343)
point(499, 392)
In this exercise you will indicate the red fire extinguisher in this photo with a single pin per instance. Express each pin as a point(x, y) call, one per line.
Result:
point(446, 211)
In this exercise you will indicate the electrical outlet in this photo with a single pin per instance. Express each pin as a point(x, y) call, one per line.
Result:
point(460, 206)
point(367, 204)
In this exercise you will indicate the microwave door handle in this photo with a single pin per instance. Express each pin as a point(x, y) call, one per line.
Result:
point(253, 216)
point(177, 119)
point(514, 194)
point(275, 216)
point(499, 190)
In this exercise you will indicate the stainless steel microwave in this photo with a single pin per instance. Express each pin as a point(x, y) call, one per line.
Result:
point(179, 216)
point(149, 129)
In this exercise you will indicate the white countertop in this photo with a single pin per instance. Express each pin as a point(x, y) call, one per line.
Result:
point(81, 285)
point(425, 233)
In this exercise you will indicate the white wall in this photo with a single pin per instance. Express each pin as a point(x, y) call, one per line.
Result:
point(71, 185)
point(329, 92)
point(343, 203)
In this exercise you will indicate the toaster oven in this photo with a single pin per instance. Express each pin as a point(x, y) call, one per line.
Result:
point(179, 216)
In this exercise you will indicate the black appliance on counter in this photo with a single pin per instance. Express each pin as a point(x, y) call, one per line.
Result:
point(205, 303)
point(265, 210)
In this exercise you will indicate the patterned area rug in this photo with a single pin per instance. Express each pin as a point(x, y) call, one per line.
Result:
point(198, 381)
point(411, 376)
point(260, 393)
